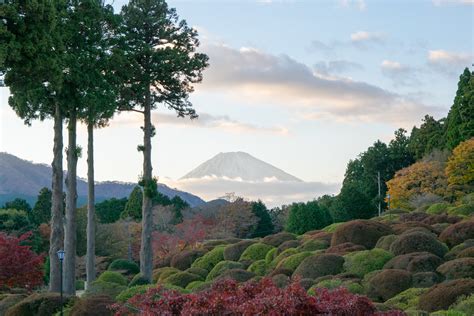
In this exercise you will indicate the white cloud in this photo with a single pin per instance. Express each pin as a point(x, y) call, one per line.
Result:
point(359, 4)
point(447, 2)
point(363, 36)
point(401, 75)
point(447, 62)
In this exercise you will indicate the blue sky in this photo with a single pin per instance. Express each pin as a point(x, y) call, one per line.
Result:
point(303, 85)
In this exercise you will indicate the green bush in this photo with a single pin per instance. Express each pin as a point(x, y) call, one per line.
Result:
point(198, 271)
point(293, 261)
point(352, 286)
point(417, 242)
point(138, 279)
point(124, 265)
point(184, 259)
point(132, 291)
point(464, 304)
point(308, 216)
point(277, 239)
point(182, 279)
point(385, 242)
point(80, 285)
point(283, 255)
point(113, 277)
point(238, 275)
point(210, 259)
point(38, 304)
point(457, 269)
point(197, 286)
point(437, 208)
point(449, 313)
point(316, 266)
point(407, 299)
point(221, 267)
point(462, 210)
point(360, 232)
point(314, 244)
point(332, 228)
point(8, 300)
point(271, 255)
point(234, 251)
point(256, 252)
point(258, 267)
point(97, 305)
point(99, 287)
point(384, 284)
point(362, 262)
point(162, 273)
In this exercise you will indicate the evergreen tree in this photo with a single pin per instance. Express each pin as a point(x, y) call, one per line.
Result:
point(352, 203)
point(428, 137)
point(108, 211)
point(41, 212)
point(133, 208)
point(264, 224)
point(304, 217)
point(18, 204)
point(159, 64)
point(460, 120)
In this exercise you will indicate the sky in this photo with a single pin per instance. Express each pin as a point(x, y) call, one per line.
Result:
point(303, 85)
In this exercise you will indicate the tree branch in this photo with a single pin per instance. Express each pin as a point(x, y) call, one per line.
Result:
point(131, 110)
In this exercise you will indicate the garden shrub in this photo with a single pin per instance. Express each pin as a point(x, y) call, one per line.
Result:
point(258, 267)
point(238, 275)
point(360, 232)
point(453, 253)
point(441, 219)
point(385, 242)
point(162, 262)
point(79, 285)
point(437, 208)
point(162, 273)
point(351, 286)
point(256, 252)
point(234, 251)
point(96, 305)
point(182, 279)
point(281, 270)
point(113, 277)
point(413, 217)
point(124, 265)
point(317, 235)
point(462, 210)
point(277, 239)
point(448, 313)
point(138, 279)
point(197, 286)
point(198, 271)
point(319, 265)
point(425, 279)
point(443, 295)
point(271, 255)
point(210, 259)
point(288, 244)
point(285, 254)
point(439, 227)
point(185, 259)
point(306, 283)
point(466, 253)
point(262, 298)
point(38, 304)
point(99, 287)
point(314, 244)
point(417, 242)
point(415, 262)
point(281, 280)
point(401, 228)
point(9, 300)
point(457, 269)
point(458, 233)
point(464, 304)
point(387, 283)
point(345, 248)
point(407, 299)
point(332, 228)
point(221, 267)
point(292, 262)
point(362, 262)
point(132, 291)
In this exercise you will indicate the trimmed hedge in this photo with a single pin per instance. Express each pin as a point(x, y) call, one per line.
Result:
point(197, 286)
point(385, 284)
point(222, 267)
point(97, 305)
point(443, 295)
point(362, 262)
point(162, 273)
point(277, 239)
point(426, 279)
point(407, 299)
point(437, 208)
point(258, 267)
point(385, 242)
point(113, 277)
point(458, 233)
point(210, 259)
point(234, 251)
point(99, 287)
point(198, 271)
point(289, 244)
point(132, 291)
point(345, 248)
point(271, 255)
point(182, 279)
point(38, 304)
point(415, 262)
point(352, 286)
point(316, 266)
point(238, 275)
point(457, 269)
point(8, 300)
point(184, 259)
point(462, 210)
point(314, 244)
point(360, 232)
point(283, 255)
point(138, 279)
point(256, 252)
point(417, 242)
point(124, 265)
point(292, 262)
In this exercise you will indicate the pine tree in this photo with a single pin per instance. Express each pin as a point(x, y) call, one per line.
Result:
point(41, 212)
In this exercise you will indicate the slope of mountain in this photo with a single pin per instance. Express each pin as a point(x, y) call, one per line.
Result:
point(239, 165)
point(24, 179)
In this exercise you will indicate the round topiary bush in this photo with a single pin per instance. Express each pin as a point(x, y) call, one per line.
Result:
point(210, 259)
point(97, 305)
point(280, 280)
point(182, 279)
point(362, 262)
point(162, 273)
point(466, 253)
point(360, 232)
point(99, 287)
point(385, 284)
point(285, 254)
point(385, 242)
point(443, 295)
point(292, 262)
point(258, 267)
point(426, 279)
point(8, 300)
point(458, 233)
point(406, 300)
point(271, 255)
point(280, 270)
point(129, 267)
point(314, 244)
point(132, 291)
point(222, 267)
point(437, 208)
point(401, 228)
point(441, 219)
point(288, 244)
point(138, 279)
point(345, 248)
point(415, 262)
point(198, 271)
point(234, 251)
point(113, 277)
point(184, 259)
point(464, 305)
point(38, 304)
point(413, 217)
point(462, 210)
point(454, 252)
point(332, 228)
point(417, 242)
point(277, 239)
point(457, 269)
point(238, 275)
point(319, 265)
point(256, 252)
point(353, 286)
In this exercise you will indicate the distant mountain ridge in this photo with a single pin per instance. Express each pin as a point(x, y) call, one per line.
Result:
point(24, 179)
point(239, 165)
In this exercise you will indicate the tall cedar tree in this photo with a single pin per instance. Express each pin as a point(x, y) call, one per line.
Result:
point(33, 62)
point(160, 65)
point(264, 224)
point(41, 212)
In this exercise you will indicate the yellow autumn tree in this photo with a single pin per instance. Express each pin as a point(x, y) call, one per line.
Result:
point(460, 168)
point(422, 177)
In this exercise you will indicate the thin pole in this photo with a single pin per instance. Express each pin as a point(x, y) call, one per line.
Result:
point(380, 204)
point(61, 284)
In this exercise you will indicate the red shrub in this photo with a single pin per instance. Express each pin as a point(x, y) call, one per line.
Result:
point(19, 266)
point(251, 298)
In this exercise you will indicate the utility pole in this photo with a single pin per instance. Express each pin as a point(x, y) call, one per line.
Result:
point(380, 203)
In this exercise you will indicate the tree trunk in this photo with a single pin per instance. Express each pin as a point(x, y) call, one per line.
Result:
point(57, 217)
point(146, 251)
point(70, 233)
point(90, 259)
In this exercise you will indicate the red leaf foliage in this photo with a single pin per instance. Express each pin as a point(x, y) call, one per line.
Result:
point(252, 298)
point(19, 265)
